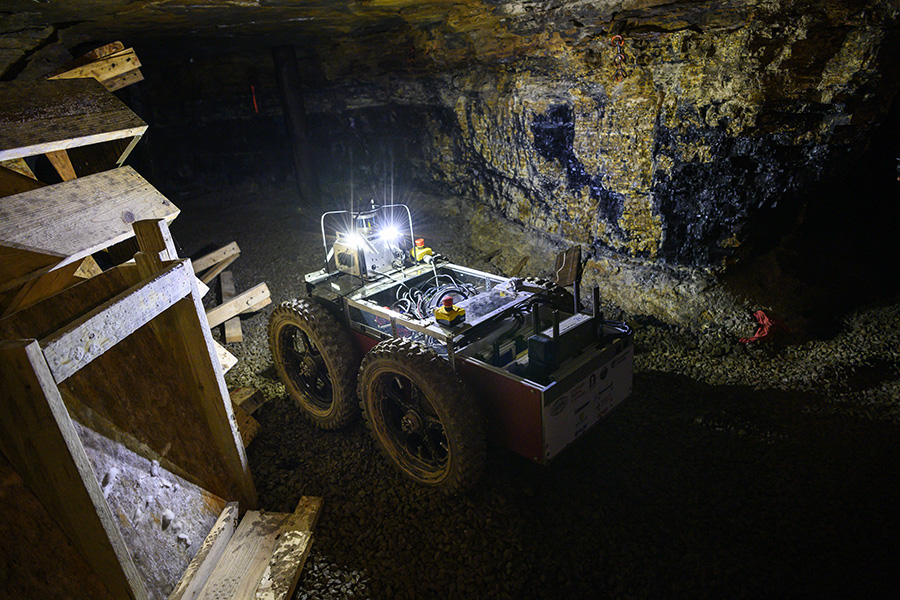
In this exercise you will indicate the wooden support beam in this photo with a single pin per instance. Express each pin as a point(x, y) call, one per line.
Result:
point(40, 441)
point(49, 284)
point(60, 161)
point(153, 235)
point(233, 333)
point(44, 286)
point(217, 256)
point(237, 305)
point(89, 336)
point(204, 562)
point(279, 580)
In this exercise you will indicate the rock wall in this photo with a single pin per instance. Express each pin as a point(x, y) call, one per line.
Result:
point(689, 161)
point(699, 153)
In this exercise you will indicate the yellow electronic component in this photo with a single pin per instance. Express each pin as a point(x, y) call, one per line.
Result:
point(420, 251)
point(449, 315)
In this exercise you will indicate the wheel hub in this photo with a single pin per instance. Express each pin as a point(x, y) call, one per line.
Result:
point(308, 367)
point(411, 422)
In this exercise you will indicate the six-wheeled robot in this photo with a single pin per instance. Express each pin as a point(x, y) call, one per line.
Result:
point(440, 358)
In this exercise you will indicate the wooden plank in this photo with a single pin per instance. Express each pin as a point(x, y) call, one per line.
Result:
point(13, 182)
point(40, 441)
point(233, 333)
point(48, 316)
point(216, 270)
point(128, 150)
point(279, 580)
point(226, 358)
point(245, 559)
point(237, 305)
point(213, 258)
point(248, 398)
point(104, 68)
point(247, 425)
point(60, 161)
point(259, 305)
point(41, 116)
point(73, 219)
point(89, 336)
point(204, 562)
point(123, 80)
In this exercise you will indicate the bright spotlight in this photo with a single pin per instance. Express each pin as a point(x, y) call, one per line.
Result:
point(389, 234)
point(354, 240)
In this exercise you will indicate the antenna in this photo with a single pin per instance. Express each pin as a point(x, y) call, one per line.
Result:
point(392, 174)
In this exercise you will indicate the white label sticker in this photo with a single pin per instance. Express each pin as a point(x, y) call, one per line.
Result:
point(586, 402)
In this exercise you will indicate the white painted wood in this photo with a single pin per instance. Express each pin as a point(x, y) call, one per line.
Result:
point(86, 338)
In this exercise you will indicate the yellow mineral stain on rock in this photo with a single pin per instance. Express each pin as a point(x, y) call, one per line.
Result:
point(642, 226)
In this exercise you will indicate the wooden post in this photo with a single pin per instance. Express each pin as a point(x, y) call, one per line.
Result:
point(288, 75)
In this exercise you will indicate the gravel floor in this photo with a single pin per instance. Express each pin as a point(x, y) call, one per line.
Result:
point(732, 471)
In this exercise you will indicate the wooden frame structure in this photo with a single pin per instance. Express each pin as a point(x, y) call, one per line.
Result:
point(77, 123)
point(38, 242)
point(128, 345)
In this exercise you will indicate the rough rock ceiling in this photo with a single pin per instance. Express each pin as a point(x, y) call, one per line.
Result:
point(410, 34)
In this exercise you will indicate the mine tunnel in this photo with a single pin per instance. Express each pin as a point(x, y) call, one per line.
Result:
point(421, 299)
